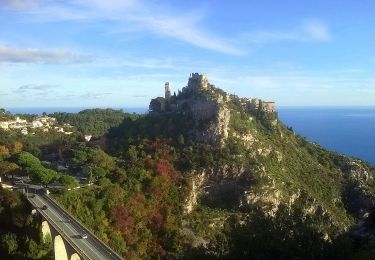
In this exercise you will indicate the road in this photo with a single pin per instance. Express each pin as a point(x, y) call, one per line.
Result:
point(91, 247)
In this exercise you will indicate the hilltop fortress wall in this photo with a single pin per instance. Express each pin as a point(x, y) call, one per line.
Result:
point(201, 107)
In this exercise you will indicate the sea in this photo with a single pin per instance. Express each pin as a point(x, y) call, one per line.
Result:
point(347, 130)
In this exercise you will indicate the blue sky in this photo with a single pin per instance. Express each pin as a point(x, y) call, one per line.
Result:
point(113, 53)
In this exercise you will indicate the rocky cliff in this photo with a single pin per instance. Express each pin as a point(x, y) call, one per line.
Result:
point(238, 158)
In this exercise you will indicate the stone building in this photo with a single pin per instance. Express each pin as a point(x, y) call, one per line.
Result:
point(167, 89)
point(157, 105)
point(269, 106)
point(197, 80)
point(252, 104)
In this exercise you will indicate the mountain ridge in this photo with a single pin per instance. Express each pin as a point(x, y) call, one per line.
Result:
point(258, 146)
point(230, 183)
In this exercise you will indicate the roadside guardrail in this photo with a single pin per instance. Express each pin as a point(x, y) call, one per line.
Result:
point(104, 245)
point(56, 227)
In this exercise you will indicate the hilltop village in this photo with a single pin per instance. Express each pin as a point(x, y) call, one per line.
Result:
point(42, 123)
point(197, 83)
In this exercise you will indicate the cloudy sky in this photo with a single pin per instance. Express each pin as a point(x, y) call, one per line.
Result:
point(119, 53)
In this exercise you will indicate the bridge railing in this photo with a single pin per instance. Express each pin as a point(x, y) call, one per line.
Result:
point(56, 227)
point(104, 245)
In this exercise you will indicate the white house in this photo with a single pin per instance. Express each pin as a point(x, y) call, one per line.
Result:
point(24, 131)
point(4, 125)
point(36, 124)
point(20, 121)
point(46, 119)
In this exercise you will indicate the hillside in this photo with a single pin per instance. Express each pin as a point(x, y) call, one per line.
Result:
point(209, 174)
point(248, 151)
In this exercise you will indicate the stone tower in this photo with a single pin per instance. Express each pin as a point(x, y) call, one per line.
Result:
point(167, 91)
point(197, 81)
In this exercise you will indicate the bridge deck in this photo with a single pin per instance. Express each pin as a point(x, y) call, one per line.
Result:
point(91, 247)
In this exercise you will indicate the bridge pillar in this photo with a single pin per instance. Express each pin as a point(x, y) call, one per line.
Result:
point(75, 256)
point(60, 249)
point(46, 231)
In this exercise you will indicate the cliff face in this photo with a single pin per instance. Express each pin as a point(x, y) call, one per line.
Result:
point(208, 107)
point(266, 164)
point(236, 156)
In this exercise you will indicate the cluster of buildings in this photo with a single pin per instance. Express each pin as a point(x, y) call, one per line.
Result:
point(172, 102)
point(13, 124)
point(252, 104)
point(44, 123)
point(198, 81)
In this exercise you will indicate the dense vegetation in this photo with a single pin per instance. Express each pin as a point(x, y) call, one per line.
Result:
point(94, 122)
point(5, 115)
point(20, 232)
point(138, 211)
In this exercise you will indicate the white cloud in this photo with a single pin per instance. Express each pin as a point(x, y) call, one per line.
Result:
point(43, 91)
point(160, 20)
point(34, 87)
point(317, 30)
point(148, 63)
point(27, 55)
point(185, 28)
point(94, 95)
point(19, 4)
point(310, 30)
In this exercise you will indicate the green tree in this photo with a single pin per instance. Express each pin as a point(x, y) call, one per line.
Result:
point(45, 176)
point(28, 160)
point(132, 153)
point(68, 181)
point(99, 158)
point(180, 139)
point(32, 249)
point(4, 152)
point(79, 156)
point(35, 169)
point(16, 147)
point(9, 168)
point(98, 173)
point(9, 243)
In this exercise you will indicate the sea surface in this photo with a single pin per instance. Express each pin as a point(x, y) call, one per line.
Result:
point(348, 130)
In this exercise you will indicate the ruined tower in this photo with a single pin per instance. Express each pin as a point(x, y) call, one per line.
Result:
point(167, 91)
point(197, 81)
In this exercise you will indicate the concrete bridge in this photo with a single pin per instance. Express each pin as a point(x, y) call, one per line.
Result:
point(67, 233)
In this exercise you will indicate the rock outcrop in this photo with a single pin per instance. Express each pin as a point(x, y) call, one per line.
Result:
point(238, 156)
point(206, 104)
